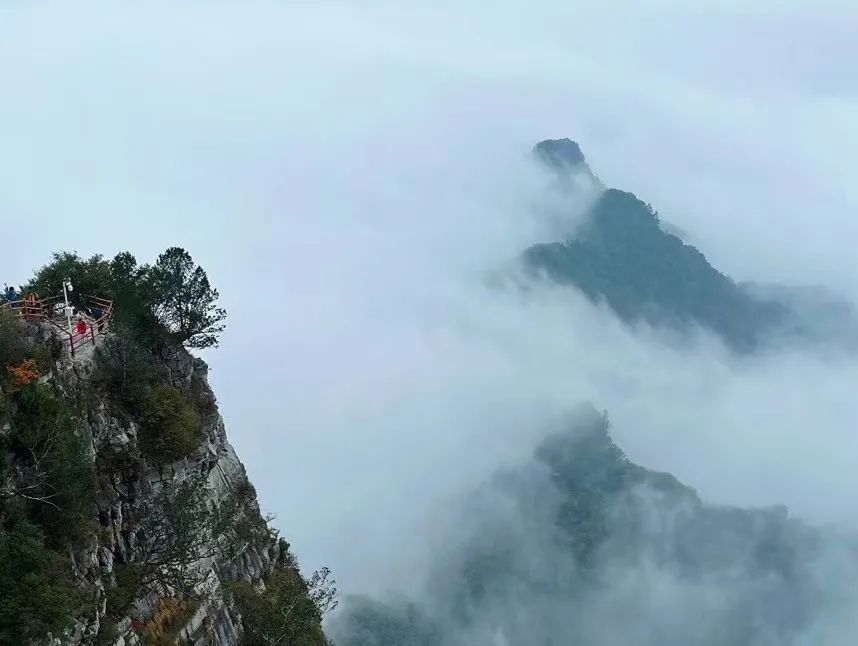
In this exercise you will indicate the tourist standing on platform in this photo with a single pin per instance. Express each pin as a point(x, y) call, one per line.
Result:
point(80, 328)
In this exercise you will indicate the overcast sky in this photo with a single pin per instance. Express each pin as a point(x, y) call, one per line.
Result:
point(354, 166)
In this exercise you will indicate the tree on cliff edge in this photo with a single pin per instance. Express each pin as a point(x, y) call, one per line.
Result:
point(183, 300)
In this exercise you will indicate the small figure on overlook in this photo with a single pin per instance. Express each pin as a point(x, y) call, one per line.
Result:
point(10, 294)
point(97, 313)
point(80, 328)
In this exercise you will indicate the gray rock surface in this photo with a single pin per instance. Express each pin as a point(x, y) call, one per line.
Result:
point(126, 489)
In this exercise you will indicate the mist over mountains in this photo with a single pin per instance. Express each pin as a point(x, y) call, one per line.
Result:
point(622, 255)
point(580, 545)
point(360, 169)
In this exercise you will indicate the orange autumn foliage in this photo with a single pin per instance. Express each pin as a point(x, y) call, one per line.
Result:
point(169, 618)
point(23, 374)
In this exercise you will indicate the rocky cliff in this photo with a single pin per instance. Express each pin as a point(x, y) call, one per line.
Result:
point(128, 491)
point(126, 516)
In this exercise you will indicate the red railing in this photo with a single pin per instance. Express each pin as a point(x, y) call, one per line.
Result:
point(51, 311)
point(32, 309)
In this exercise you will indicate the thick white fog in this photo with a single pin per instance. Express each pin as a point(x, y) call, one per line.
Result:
point(347, 174)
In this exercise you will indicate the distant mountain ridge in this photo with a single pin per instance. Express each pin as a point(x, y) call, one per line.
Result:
point(623, 256)
point(560, 153)
point(582, 546)
point(582, 549)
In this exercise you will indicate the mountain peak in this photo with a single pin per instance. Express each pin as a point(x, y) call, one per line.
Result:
point(559, 153)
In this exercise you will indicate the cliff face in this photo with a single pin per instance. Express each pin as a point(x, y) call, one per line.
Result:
point(126, 516)
point(127, 492)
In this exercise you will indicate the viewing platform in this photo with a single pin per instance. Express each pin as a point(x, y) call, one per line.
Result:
point(96, 312)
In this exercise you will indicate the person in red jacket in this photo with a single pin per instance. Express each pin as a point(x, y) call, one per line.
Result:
point(80, 328)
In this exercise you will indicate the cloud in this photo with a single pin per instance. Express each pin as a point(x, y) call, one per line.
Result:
point(517, 568)
point(347, 175)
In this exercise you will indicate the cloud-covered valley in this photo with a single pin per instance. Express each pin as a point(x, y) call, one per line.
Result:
point(351, 177)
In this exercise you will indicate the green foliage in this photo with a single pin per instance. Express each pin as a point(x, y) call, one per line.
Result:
point(289, 611)
point(372, 623)
point(13, 347)
point(119, 596)
point(183, 300)
point(88, 277)
point(124, 270)
point(624, 257)
point(124, 372)
point(170, 301)
point(47, 353)
point(119, 280)
point(59, 475)
point(170, 427)
point(131, 294)
point(202, 397)
point(37, 595)
point(16, 348)
point(5, 411)
point(107, 634)
point(47, 483)
point(237, 521)
point(178, 527)
point(175, 528)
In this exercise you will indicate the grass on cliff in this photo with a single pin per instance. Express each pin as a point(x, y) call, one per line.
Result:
point(170, 426)
point(289, 610)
